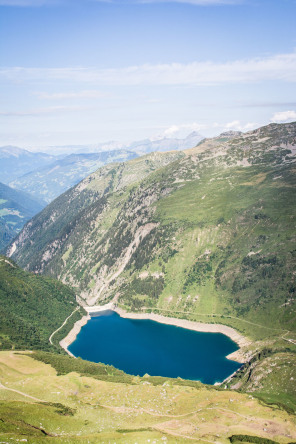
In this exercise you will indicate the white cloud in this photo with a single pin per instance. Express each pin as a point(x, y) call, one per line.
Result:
point(41, 111)
point(284, 116)
point(209, 130)
point(153, 101)
point(280, 67)
point(267, 104)
point(180, 130)
point(88, 94)
point(236, 125)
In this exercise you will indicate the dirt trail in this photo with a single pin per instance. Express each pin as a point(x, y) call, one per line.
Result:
point(162, 428)
point(51, 336)
point(219, 315)
point(20, 393)
point(123, 409)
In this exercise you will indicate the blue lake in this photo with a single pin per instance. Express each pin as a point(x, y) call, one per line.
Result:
point(142, 346)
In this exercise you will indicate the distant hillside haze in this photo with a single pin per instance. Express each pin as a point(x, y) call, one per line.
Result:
point(16, 162)
point(46, 176)
point(144, 146)
point(166, 144)
point(16, 208)
point(7, 233)
point(50, 181)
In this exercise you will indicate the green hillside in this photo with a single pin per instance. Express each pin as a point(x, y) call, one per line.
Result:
point(16, 208)
point(32, 308)
point(208, 234)
point(99, 195)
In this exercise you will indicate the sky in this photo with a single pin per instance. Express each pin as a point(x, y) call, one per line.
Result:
point(89, 71)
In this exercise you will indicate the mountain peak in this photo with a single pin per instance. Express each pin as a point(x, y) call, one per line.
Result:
point(194, 134)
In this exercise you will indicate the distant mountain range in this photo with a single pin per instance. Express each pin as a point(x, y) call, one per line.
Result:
point(16, 162)
point(54, 179)
point(141, 146)
point(46, 176)
point(165, 144)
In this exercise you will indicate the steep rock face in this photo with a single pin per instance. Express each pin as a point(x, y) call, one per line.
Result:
point(74, 231)
point(208, 232)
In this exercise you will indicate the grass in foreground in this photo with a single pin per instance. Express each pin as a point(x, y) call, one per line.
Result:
point(80, 409)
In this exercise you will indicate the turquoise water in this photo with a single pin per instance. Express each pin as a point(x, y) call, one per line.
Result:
point(142, 346)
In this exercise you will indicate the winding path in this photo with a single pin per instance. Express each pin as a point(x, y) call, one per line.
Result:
point(51, 336)
point(220, 315)
point(21, 393)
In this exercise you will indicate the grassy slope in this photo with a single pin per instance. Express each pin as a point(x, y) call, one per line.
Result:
point(32, 307)
point(85, 409)
point(233, 251)
point(270, 375)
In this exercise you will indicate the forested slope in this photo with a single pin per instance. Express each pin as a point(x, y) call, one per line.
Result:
point(32, 308)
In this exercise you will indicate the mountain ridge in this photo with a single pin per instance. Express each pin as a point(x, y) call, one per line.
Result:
point(143, 146)
point(46, 176)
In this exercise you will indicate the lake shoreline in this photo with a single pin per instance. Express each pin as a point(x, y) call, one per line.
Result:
point(240, 340)
point(73, 333)
point(236, 337)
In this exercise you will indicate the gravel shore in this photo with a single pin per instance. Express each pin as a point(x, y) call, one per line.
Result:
point(193, 325)
point(72, 335)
